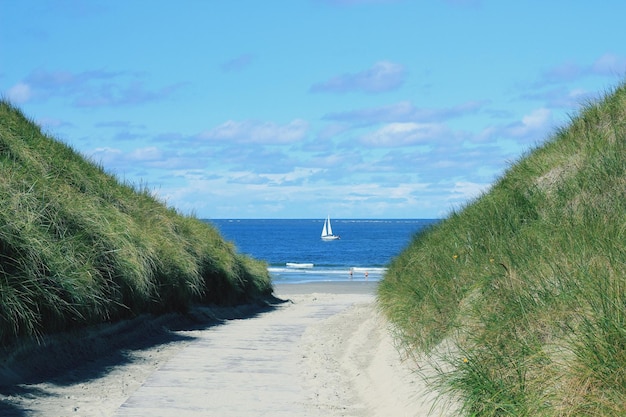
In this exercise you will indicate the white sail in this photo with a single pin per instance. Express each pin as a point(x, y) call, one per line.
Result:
point(327, 230)
point(324, 230)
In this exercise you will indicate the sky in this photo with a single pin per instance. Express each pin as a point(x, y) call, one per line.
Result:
point(308, 108)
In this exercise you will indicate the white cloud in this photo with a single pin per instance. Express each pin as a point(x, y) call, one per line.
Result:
point(538, 120)
point(254, 132)
point(293, 177)
point(52, 123)
point(609, 64)
point(382, 76)
point(296, 175)
point(532, 127)
point(465, 190)
point(247, 178)
point(561, 97)
point(404, 134)
point(106, 156)
point(137, 160)
point(20, 93)
point(405, 111)
point(92, 88)
point(109, 154)
point(150, 153)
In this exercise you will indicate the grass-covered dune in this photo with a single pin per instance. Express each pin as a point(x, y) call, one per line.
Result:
point(519, 298)
point(78, 247)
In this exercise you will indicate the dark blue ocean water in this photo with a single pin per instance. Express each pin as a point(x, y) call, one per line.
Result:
point(364, 250)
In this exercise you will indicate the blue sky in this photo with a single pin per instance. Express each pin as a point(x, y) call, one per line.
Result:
point(303, 108)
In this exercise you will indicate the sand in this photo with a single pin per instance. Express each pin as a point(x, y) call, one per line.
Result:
point(319, 350)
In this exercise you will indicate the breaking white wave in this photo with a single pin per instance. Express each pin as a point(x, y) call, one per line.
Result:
point(311, 273)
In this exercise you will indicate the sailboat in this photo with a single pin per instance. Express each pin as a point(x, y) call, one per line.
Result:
point(327, 231)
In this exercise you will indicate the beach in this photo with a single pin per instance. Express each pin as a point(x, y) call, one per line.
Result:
point(319, 349)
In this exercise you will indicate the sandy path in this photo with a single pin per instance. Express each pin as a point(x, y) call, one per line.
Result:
point(321, 354)
point(352, 367)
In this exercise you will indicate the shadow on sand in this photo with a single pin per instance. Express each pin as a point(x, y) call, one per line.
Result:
point(84, 355)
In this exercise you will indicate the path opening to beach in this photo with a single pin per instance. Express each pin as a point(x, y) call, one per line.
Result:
point(319, 349)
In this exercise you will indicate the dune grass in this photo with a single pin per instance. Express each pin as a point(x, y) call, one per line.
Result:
point(77, 246)
point(520, 296)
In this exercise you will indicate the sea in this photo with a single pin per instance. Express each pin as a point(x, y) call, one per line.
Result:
point(295, 252)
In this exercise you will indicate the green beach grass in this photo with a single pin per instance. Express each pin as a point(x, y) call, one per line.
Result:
point(79, 247)
point(519, 298)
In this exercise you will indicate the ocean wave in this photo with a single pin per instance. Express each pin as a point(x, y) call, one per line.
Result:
point(324, 273)
point(299, 265)
point(411, 221)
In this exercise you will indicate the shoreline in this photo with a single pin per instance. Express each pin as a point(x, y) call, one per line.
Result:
point(326, 287)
